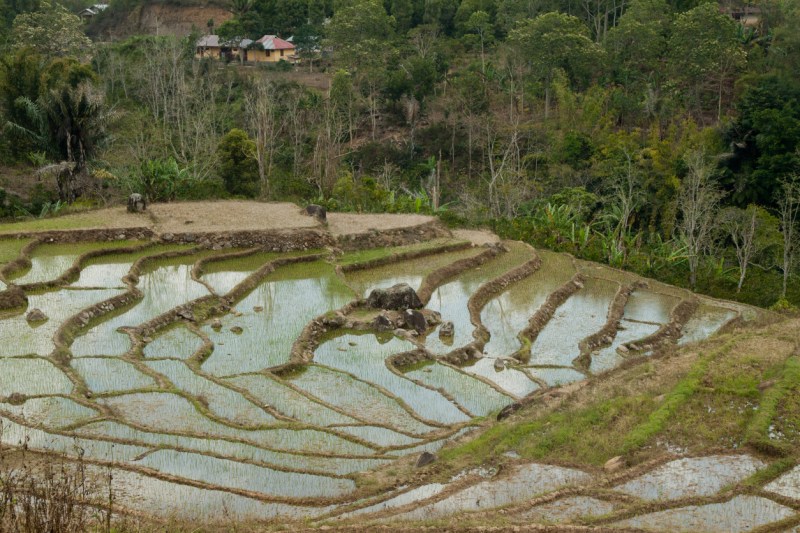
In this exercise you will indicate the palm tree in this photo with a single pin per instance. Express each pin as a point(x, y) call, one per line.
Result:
point(70, 125)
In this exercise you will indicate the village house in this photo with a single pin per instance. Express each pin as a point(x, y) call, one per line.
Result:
point(267, 49)
point(91, 12)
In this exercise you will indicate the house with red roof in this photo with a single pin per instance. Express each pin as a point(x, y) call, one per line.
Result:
point(267, 49)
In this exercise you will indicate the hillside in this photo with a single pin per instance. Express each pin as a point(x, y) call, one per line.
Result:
point(523, 388)
point(178, 18)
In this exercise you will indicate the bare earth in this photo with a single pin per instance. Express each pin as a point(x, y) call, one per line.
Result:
point(476, 236)
point(228, 215)
point(219, 216)
point(348, 223)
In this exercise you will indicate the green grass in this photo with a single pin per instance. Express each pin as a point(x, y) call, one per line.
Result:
point(10, 248)
point(673, 401)
point(361, 256)
point(589, 435)
point(83, 220)
point(772, 471)
point(758, 430)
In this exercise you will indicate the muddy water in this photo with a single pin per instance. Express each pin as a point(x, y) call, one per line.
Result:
point(51, 412)
point(224, 275)
point(221, 401)
point(741, 513)
point(351, 395)
point(37, 338)
point(272, 316)
point(50, 261)
point(508, 314)
point(451, 299)
point(366, 360)
point(32, 376)
point(414, 495)
point(178, 342)
point(36, 439)
point(568, 509)
point(108, 271)
point(584, 313)
point(289, 402)
point(147, 410)
point(229, 449)
point(787, 485)
point(106, 374)
point(411, 271)
point(151, 495)
point(698, 476)
point(509, 379)
point(225, 473)
point(645, 312)
point(291, 435)
point(476, 396)
point(524, 483)
point(166, 285)
point(705, 322)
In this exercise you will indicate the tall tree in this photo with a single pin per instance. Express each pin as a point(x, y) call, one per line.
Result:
point(788, 200)
point(555, 41)
point(751, 231)
point(698, 203)
point(706, 54)
point(51, 30)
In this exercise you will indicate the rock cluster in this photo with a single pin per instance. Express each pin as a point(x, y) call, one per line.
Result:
point(36, 315)
point(397, 298)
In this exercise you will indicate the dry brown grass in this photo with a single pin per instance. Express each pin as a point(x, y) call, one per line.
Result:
point(350, 223)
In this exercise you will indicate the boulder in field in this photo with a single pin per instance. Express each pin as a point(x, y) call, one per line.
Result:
point(317, 211)
point(397, 297)
point(614, 464)
point(415, 320)
point(447, 330)
point(136, 203)
point(425, 458)
point(35, 315)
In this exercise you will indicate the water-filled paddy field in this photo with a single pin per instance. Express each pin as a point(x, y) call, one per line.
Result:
point(199, 375)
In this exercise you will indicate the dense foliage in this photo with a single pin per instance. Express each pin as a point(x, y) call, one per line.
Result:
point(656, 135)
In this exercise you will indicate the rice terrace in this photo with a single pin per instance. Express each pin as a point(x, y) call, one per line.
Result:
point(242, 362)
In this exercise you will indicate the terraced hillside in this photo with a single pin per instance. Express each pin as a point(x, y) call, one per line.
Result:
point(258, 383)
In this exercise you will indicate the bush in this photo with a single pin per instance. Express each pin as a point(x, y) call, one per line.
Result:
point(237, 167)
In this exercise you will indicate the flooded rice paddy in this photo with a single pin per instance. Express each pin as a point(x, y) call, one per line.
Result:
point(196, 373)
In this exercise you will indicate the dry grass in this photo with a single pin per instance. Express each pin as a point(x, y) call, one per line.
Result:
point(350, 223)
point(228, 215)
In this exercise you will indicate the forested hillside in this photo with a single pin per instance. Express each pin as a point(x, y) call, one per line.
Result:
point(657, 136)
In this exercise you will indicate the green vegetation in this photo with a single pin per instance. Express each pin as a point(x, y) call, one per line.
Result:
point(659, 136)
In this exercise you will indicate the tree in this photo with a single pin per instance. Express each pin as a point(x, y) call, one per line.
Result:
point(706, 53)
point(480, 24)
point(69, 125)
point(751, 231)
point(788, 200)
point(626, 196)
point(307, 42)
point(698, 202)
point(51, 30)
point(403, 13)
point(240, 7)
point(262, 116)
point(358, 33)
point(637, 45)
point(237, 164)
point(555, 41)
point(765, 139)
